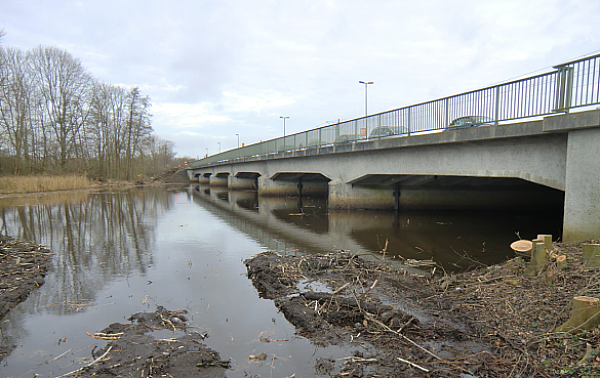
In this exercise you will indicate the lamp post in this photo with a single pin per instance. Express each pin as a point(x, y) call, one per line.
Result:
point(284, 118)
point(219, 143)
point(238, 135)
point(366, 83)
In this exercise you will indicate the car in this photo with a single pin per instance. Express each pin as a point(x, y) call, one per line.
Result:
point(470, 121)
point(344, 138)
point(384, 131)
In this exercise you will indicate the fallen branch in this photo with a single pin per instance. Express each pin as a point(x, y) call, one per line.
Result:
point(93, 362)
point(413, 364)
point(106, 336)
point(341, 288)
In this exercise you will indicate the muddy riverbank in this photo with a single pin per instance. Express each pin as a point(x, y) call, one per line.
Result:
point(23, 266)
point(490, 322)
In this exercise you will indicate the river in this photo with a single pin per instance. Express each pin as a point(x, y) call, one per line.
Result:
point(125, 251)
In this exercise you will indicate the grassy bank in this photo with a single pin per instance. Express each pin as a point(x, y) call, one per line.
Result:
point(34, 184)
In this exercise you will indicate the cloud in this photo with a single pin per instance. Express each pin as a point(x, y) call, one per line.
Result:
point(233, 67)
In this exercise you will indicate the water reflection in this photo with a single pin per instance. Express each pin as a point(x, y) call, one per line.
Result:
point(126, 251)
point(113, 231)
point(455, 240)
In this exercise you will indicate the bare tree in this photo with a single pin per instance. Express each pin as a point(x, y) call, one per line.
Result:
point(64, 87)
point(15, 117)
point(54, 117)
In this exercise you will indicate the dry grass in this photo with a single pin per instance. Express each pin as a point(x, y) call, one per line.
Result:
point(34, 184)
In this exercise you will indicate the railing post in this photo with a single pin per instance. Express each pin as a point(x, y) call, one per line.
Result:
point(447, 113)
point(497, 115)
point(409, 123)
point(564, 89)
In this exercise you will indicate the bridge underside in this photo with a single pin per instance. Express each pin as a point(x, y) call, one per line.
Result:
point(550, 164)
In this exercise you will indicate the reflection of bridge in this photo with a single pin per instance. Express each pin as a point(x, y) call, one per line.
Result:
point(541, 162)
point(287, 225)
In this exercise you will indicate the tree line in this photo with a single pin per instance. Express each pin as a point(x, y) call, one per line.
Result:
point(56, 118)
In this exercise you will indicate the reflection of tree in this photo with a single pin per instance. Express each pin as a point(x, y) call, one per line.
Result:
point(95, 238)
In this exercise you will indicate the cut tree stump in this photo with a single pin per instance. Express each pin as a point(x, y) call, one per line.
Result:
point(585, 315)
point(538, 258)
point(561, 262)
point(522, 247)
point(591, 255)
point(547, 239)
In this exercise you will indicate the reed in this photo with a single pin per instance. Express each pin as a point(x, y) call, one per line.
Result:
point(34, 184)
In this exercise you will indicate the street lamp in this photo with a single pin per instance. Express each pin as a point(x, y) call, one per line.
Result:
point(219, 143)
point(238, 135)
point(284, 118)
point(366, 83)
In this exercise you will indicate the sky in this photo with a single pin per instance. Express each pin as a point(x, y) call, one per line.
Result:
point(219, 70)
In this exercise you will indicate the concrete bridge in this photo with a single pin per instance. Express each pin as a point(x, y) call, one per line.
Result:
point(550, 162)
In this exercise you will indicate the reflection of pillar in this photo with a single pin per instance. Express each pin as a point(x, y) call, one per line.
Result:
point(397, 196)
point(299, 187)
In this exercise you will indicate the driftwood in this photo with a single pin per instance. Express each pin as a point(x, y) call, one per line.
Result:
point(585, 315)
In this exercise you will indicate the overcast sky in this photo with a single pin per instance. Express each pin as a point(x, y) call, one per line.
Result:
point(217, 68)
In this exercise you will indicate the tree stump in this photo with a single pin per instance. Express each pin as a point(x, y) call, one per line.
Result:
point(585, 315)
point(538, 258)
point(522, 247)
point(547, 239)
point(561, 262)
point(591, 255)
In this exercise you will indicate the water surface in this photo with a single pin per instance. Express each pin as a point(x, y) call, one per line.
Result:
point(122, 252)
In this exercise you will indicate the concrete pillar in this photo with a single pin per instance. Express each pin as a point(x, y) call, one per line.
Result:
point(219, 181)
point(274, 188)
point(237, 183)
point(582, 186)
point(345, 196)
point(204, 179)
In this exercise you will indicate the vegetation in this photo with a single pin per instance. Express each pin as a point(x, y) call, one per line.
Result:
point(32, 184)
point(56, 119)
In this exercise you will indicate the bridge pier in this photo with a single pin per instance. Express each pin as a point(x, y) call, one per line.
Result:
point(219, 180)
point(582, 187)
point(242, 183)
point(276, 188)
point(204, 179)
point(348, 196)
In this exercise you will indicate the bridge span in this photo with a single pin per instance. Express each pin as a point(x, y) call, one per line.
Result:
point(554, 161)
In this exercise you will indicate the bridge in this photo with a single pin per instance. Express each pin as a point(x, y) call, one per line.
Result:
point(531, 143)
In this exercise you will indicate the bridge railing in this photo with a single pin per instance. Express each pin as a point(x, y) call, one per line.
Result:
point(571, 85)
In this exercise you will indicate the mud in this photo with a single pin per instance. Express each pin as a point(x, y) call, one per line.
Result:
point(23, 266)
point(493, 321)
point(490, 322)
point(143, 349)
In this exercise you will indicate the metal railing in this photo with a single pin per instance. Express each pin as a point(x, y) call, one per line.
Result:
point(571, 85)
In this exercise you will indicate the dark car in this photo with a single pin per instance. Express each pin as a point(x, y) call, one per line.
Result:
point(471, 121)
point(384, 131)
